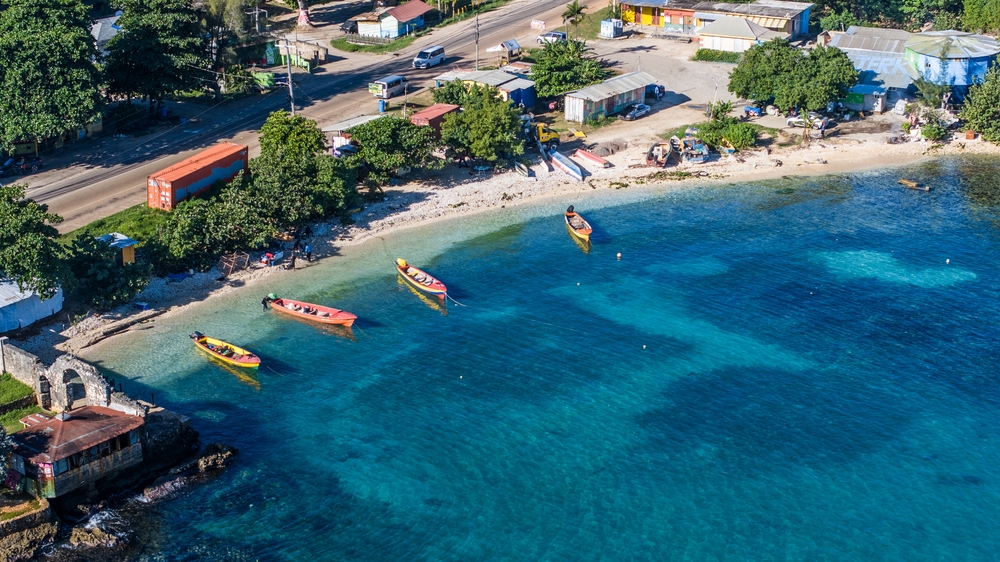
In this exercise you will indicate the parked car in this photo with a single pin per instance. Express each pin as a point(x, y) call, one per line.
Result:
point(349, 26)
point(551, 37)
point(799, 121)
point(635, 111)
point(25, 165)
point(655, 91)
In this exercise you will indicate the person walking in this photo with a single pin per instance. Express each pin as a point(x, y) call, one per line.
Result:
point(822, 129)
point(309, 253)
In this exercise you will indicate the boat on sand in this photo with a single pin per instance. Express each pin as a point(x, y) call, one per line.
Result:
point(421, 280)
point(225, 351)
point(312, 312)
point(577, 226)
point(568, 166)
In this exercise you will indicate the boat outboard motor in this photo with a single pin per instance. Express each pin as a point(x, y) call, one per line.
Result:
point(196, 335)
point(570, 210)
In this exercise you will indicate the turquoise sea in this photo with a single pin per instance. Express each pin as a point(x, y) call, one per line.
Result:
point(803, 369)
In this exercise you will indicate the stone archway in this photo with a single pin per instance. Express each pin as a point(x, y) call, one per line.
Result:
point(75, 383)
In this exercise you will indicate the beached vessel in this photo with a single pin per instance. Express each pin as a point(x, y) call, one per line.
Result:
point(312, 312)
point(225, 351)
point(522, 169)
point(577, 226)
point(421, 280)
point(660, 153)
point(568, 166)
point(591, 157)
point(693, 150)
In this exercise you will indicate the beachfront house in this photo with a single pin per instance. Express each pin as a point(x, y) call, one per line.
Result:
point(884, 76)
point(74, 449)
point(952, 58)
point(607, 98)
point(777, 15)
point(668, 15)
point(393, 22)
point(735, 35)
point(22, 308)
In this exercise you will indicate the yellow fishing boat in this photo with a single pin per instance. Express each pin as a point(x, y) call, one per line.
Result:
point(577, 226)
point(225, 351)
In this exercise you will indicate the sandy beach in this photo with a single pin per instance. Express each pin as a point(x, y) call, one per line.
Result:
point(455, 192)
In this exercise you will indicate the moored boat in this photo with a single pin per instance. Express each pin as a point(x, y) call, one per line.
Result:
point(312, 312)
point(421, 280)
point(577, 226)
point(568, 166)
point(225, 351)
point(659, 154)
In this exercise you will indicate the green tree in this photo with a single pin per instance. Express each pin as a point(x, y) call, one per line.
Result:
point(225, 23)
point(838, 21)
point(388, 144)
point(791, 77)
point(453, 92)
point(982, 16)
point(562, 67)
point(48, 82)
point(981, 112)
point(291, 138)
point(160, 50)
point(100, 280)
point(573, 13)
point(29, 254)
point(5, 450)
point(918, 12)
point(929, 93)
point(488, 128)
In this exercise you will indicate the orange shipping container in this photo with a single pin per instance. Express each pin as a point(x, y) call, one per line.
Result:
point(166, 188)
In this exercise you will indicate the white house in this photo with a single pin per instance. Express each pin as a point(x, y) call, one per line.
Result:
point(19, 309)
point(735, 35)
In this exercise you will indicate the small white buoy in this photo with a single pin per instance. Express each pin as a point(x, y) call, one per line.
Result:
point(947, 261)
point(577, 284)
point(644, 347)
point(459, 376)
point(619, 255)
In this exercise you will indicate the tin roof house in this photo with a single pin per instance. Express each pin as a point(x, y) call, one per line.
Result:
point(393, 22)
point(607, 98)
point(884, 75)
point(22, 308)
point(54, 456)
point(735, 35)
point(670, 15)
point(953, 58)
point(777, 15)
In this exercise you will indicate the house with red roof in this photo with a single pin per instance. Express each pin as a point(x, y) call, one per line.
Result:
point(393, 22)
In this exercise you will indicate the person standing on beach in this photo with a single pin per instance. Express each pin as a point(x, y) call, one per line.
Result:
point(822, 129)
point(263, 302)
point(309, 253)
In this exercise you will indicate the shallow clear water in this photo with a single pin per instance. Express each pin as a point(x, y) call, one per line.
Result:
point(778, 371)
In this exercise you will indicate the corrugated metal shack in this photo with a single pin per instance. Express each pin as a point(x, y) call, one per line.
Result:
point(433, 116)
point(22, 308)
point(608, 97)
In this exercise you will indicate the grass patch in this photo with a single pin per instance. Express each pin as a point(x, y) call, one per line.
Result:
point(139, 222)
point(26, 507)
point(12, 389)
point(342, 44)
point(466, 14)
point(712, 55)
point(9, 420)
point(590, 26)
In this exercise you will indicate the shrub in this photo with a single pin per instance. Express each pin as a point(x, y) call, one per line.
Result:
point(711, 55)
point(934, 131)
point(101, 281)
point(741, 135)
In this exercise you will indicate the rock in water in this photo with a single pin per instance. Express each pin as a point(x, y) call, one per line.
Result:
point(215, 456)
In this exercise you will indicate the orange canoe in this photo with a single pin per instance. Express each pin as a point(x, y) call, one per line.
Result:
point(313, 312)
point(421, 280)
point(577, 226)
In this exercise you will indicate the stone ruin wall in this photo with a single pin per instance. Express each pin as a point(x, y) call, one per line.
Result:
point(51, 384)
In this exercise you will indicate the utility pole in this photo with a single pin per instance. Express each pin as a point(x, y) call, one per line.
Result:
point(477, 39)
point(291, 92)
point(405, 98)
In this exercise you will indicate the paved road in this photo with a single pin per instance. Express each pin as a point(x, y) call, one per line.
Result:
point(83, 193)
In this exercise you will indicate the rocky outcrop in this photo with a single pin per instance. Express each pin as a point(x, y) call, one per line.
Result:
point(22, 545)
point(215, 457)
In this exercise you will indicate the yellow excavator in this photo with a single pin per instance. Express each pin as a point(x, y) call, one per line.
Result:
point(541, 134)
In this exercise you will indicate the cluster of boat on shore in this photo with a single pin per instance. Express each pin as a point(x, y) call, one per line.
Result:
point(414, 277)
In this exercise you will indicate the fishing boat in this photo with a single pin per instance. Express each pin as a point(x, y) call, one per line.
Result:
point(694, 151)
point(421, 279)
point(726, 147)
point(659, 154)
point(590, 156)
point(522, 169)
point(225, 351)
point(577, 226)
point(568, 166)
point(312, 312)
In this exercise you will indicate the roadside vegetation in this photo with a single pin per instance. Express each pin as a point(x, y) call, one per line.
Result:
point(980, 16)
point(343, 44)
point(564, 66)
point(711, 55)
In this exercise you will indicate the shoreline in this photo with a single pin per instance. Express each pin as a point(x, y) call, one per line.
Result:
point(449, 194)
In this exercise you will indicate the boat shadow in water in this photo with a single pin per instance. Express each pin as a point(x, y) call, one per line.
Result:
point(582, 244)
point(245, 375)
point(432, 303)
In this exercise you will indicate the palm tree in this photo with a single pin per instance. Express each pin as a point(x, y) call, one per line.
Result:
point(573, 13)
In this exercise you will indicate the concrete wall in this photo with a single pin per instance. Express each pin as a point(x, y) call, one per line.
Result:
point(28, 369)
point(27, 521)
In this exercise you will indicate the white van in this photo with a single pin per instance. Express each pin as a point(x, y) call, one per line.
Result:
point(431, 56)
point(387, 87)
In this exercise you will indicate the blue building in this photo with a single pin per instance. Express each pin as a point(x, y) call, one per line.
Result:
point(953, 58)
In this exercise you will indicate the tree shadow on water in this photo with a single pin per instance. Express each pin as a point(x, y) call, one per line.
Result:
point(757, 418)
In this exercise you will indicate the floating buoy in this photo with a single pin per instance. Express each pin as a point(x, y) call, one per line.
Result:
point(459, 376)
point(947, 261)
point(577, 284)
point(619, 255)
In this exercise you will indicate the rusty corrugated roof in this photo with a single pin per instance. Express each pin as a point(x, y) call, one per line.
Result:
point(436, 110)
point(56, 439)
